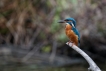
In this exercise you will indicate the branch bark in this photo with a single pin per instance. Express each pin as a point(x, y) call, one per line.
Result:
point(93, 66)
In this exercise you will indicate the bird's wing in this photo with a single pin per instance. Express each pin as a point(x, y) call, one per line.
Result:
point(77, 33)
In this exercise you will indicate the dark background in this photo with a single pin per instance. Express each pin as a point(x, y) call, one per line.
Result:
point(32, 40)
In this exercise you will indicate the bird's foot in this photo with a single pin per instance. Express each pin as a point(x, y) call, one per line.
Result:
point(71, 42)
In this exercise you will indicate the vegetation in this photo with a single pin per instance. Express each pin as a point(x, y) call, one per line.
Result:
point(31, 26)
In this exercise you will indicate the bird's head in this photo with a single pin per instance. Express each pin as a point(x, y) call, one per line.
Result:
point(70, 21)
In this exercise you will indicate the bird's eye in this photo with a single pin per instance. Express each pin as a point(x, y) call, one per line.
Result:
point(70, 21)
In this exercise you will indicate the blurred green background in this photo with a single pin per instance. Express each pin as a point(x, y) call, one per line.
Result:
point(32, 40)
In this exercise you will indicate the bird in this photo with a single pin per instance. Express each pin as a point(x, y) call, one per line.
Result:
point(71, 30)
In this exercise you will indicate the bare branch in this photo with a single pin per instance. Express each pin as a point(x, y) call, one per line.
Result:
point(53, 53)
point(93, 66)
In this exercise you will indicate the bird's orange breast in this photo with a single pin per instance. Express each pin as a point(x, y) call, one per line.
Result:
point(71, 35)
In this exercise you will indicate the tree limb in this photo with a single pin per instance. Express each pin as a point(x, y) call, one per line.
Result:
point(93, 66)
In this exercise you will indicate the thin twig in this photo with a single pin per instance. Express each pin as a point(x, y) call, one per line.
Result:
point(53, 53)
point(31, 42)
point(93, 66)
point(31, 53)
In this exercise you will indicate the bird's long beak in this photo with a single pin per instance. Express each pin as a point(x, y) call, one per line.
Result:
point(61, 21)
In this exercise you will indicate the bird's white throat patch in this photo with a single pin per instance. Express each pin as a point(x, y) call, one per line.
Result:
point(66, 23)
point(71, 23)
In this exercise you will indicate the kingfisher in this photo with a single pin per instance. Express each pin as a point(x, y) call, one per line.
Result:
point(71, 31)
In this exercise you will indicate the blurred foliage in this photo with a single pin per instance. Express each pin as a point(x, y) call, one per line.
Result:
point(54, 26)
point(30, 23)
point(46, 49)
point(62, 38)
